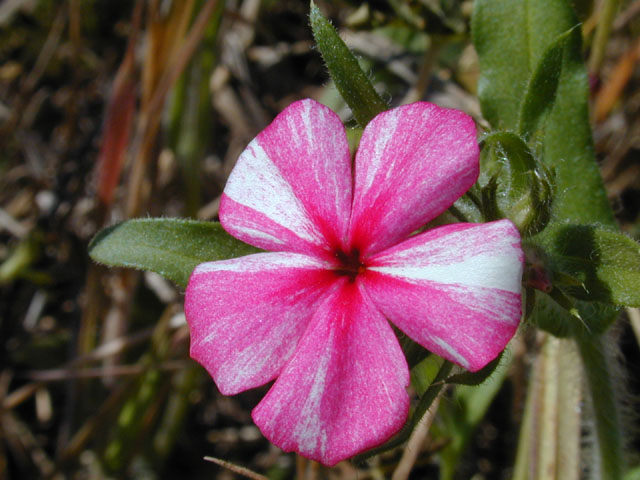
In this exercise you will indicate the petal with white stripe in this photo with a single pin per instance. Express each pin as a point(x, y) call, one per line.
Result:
point(291, 188)
point(454, 289)
point(413, 162)
point(343, 391)
point(246, 315)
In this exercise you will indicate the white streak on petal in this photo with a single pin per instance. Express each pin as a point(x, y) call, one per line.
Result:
point(490, 271)
point(257, 263)
point(310, 430)
point(452, 351)
point(256, 183)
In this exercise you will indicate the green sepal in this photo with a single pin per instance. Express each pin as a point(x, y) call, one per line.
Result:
point(352, 83)
point(171, 247)
point(476, 378)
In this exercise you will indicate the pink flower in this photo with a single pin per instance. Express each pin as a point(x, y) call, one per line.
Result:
point(313, 313)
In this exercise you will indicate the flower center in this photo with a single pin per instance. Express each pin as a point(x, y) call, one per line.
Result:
point(350, 264)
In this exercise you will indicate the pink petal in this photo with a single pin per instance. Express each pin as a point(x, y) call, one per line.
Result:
point(343, 391)
point(291, 188)
point(246, 315)
point(413, 162)
point(455, 289)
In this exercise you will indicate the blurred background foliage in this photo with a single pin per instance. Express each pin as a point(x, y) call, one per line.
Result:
point(118, 109)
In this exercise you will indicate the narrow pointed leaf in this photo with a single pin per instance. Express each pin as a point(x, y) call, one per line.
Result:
point(170, 247)
point(352, 83)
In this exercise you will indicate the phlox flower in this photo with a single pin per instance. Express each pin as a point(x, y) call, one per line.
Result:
point(313, 312)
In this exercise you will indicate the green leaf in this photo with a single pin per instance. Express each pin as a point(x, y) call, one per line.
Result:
point(606, 263)
point(351, 81)
point(510, 37)
point(171, 247)
point(541, 92)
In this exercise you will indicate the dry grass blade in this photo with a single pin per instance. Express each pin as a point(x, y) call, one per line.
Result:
point(20, 395)
point(22, 439)
point(180, 60)
point(245, 472)
point(634, 319)
point(118, 118)
point(60, 374)
point(612, 90)
point(149, 120)
point(46, 54)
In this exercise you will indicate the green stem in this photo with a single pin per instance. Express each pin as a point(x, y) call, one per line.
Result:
point(608, 428)
point(549, 443)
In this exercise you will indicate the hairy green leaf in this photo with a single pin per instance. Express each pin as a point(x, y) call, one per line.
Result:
point(606, 263)
point(170, 247)
point(587, 318)
point(510, 37)
point(351, 81)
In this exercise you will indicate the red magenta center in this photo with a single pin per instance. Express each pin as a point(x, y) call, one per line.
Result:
point(350, 264)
